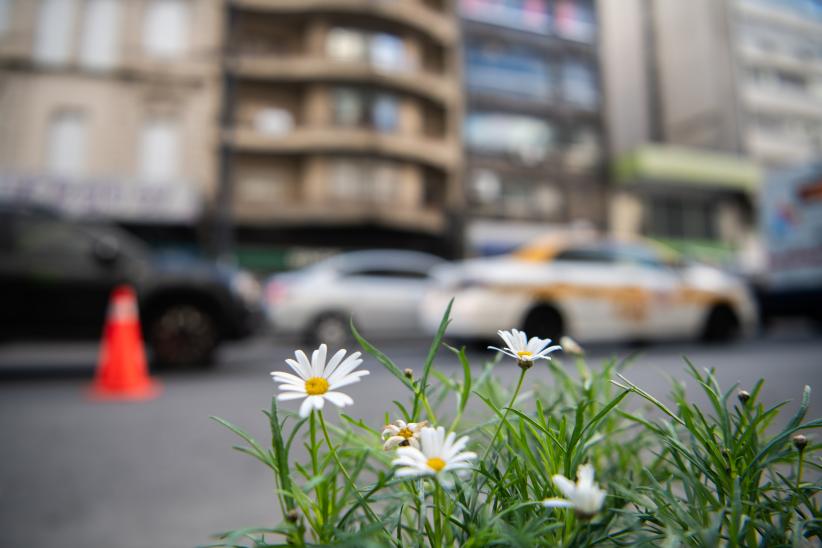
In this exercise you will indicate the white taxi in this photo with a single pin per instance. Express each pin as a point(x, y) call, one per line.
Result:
point(591, 289)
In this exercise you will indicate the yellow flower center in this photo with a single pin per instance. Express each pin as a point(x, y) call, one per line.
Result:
point(436, 464)
point(316, 386)
point(406, 433)
point(524, 354)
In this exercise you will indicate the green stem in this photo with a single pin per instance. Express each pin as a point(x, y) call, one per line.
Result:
point(437, 514)
point(421, 513)
point(351, 485)
point(799, 471)
point(505, 414)
point(431, 417)
point(319, 490)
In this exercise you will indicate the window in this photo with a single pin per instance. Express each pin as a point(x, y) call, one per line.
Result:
point(159, 150)
point(165, 28)
point(385, 112)
point(389, 273)
point(273, 122)
point(637, 254)
point(360, 108)
point(575, 20)
point(583, 150)
point(346, 44)
point(383, 51)
point(388, 52)
point(513, 196)
point(55, 31)
point(101, 27)
point(364, 181)
point(527, 138)
point(529, 15)
point(66, 147)
point(579, 85)
point(681, 218)
point(516, 71)
point(586, 254)
point(5, 15)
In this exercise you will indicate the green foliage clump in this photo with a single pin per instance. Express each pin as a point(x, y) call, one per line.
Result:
point(731, 474)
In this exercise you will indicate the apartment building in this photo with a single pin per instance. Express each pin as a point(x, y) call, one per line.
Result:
point(778, 47)
point(108, 108)
point(341, 125)
point(533, 126)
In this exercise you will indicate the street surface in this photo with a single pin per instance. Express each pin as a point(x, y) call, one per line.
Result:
point(75, 473)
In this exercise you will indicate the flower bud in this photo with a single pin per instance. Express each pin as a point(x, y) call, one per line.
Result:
point(800, 442)
point(743, 396)
point(570, 346)
point(292, 516)
point(409, 373)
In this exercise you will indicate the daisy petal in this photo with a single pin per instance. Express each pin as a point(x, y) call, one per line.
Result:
point(305, 407)
point(338, 398)
point(282, 376)
point(318, 361)
point(350, 379)
point(304, 363)
point(348, 365)
point(566, 486)
point(298, 368)
point(557, 503)
point(334, 362)
point(285, 396)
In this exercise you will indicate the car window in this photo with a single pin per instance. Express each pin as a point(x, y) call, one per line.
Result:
point(586, 254)
point(43, 236)
point(388, 273)
point(637, 254)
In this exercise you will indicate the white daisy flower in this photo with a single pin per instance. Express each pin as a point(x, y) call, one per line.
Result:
point(438, 455)
point(584, 496)
point(402, 434)
point(317, 381)
point(523, 350)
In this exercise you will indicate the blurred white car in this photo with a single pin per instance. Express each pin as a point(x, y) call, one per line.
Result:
point(592, 290)
point(380, 289)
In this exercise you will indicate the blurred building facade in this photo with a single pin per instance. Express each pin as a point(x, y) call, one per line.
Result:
point(533, 127)
point(705, 96)
point(109, 108)
point(341, 125)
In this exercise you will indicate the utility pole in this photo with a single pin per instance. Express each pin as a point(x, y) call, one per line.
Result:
point(223, 230)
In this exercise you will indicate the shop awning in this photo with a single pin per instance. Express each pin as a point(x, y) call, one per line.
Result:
point(682, 165)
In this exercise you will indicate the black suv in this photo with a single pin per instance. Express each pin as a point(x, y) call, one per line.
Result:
point(56, 276)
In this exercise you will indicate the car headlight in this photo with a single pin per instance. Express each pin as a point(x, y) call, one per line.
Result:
point(246, 287)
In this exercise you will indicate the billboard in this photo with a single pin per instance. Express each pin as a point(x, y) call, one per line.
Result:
point(792, 227)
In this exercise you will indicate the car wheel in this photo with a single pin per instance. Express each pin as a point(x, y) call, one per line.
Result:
point(722, 325)
point(544, 322)
point(331, 329)
point(183, 336)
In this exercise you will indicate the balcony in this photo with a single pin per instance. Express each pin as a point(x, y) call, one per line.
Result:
point(779, 149)
point(319, 69)
point(409, 13)
point(761, 98)
point(335, 214)
point(440, 154)
point(755, 57)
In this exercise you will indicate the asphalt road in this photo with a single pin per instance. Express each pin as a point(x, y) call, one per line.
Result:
point(76, 473)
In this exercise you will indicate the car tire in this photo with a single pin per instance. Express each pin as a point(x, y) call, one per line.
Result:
point(722, 325)
point(331, 329)
point(545, 322)
point(183, 335)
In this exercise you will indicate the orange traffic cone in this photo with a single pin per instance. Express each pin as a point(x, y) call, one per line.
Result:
point(122, 372)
